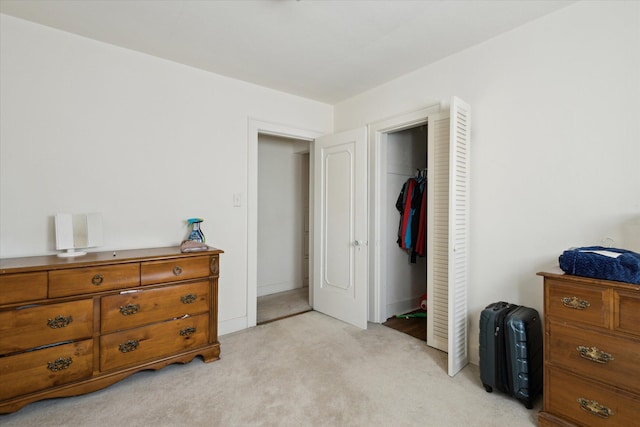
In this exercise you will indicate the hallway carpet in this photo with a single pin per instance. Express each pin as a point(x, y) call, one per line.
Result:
point(283, 304)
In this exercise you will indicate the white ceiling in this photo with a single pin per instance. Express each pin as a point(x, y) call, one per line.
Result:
point(323, 50)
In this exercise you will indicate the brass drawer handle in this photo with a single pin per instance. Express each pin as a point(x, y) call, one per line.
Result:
point(575, 303)
point(129, 309)
point(130, 345)
point(59, 364)
point(177, 270)
point(59, 322)
point(187, 332)
point(594, 408)
point(189, 298)
point(594, 354)
point(97, 279)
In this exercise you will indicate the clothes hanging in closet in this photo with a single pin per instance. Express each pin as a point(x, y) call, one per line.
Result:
point(412, 205)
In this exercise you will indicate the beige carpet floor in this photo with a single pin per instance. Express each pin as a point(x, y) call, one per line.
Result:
point(282, 304)
point(306, 370)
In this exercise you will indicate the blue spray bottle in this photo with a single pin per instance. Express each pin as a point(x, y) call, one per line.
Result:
point(196, 234)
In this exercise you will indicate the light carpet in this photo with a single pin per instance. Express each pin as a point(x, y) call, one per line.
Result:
point(306, 370)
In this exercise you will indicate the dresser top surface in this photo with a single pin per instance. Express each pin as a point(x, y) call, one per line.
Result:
point(557, 273)
point(27, 264)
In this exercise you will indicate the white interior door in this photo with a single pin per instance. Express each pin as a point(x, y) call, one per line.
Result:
point(340, 242)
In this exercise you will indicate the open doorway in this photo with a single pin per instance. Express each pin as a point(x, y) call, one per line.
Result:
point(283, 228)
point(256, 129)
point(406, 266)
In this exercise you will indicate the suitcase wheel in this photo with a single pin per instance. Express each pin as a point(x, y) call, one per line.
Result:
point(488, 388)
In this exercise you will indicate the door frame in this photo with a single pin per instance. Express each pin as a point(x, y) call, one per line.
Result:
point(379, 205)
point(255, 128)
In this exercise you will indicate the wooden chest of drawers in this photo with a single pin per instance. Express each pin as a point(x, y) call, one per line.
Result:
point(70, 326)
point(591, 352)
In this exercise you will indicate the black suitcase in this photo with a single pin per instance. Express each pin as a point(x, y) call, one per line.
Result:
point(493, 366)
point(523, 333)
point(511, 351)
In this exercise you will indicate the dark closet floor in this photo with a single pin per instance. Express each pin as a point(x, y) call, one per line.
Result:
point(414, 326)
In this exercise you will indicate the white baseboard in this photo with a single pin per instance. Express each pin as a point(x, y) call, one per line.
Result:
point(232, 325)
point(401, 307)
point(474, 355)
point(275, 288)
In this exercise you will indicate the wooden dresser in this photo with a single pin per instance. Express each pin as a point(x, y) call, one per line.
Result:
point(69, 326)
point(591, 352)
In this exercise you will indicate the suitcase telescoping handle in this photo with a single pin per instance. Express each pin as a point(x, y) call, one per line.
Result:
point(499, 305)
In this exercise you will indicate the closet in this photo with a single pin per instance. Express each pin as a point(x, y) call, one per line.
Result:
point(406, 280)
point(447, 158)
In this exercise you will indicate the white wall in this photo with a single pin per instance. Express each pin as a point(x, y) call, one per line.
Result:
point(282, 194)
point(88, 126)
point(555, 141)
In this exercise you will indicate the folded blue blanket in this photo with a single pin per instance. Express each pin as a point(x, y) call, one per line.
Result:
point(602, 263)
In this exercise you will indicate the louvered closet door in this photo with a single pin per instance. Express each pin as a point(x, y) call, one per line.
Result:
point(438, 232)
point(448, 225)
point(458, 234)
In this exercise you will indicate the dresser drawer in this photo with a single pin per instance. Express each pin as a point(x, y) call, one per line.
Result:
point(585, 304)
point(16, 288)
point(174, 270)
point(95, 279)
point(603, 406)
point(627, 308)
point(149, 343)
point(45, 324)
point(142, 307)
point(37, 370)
point(603, 357)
